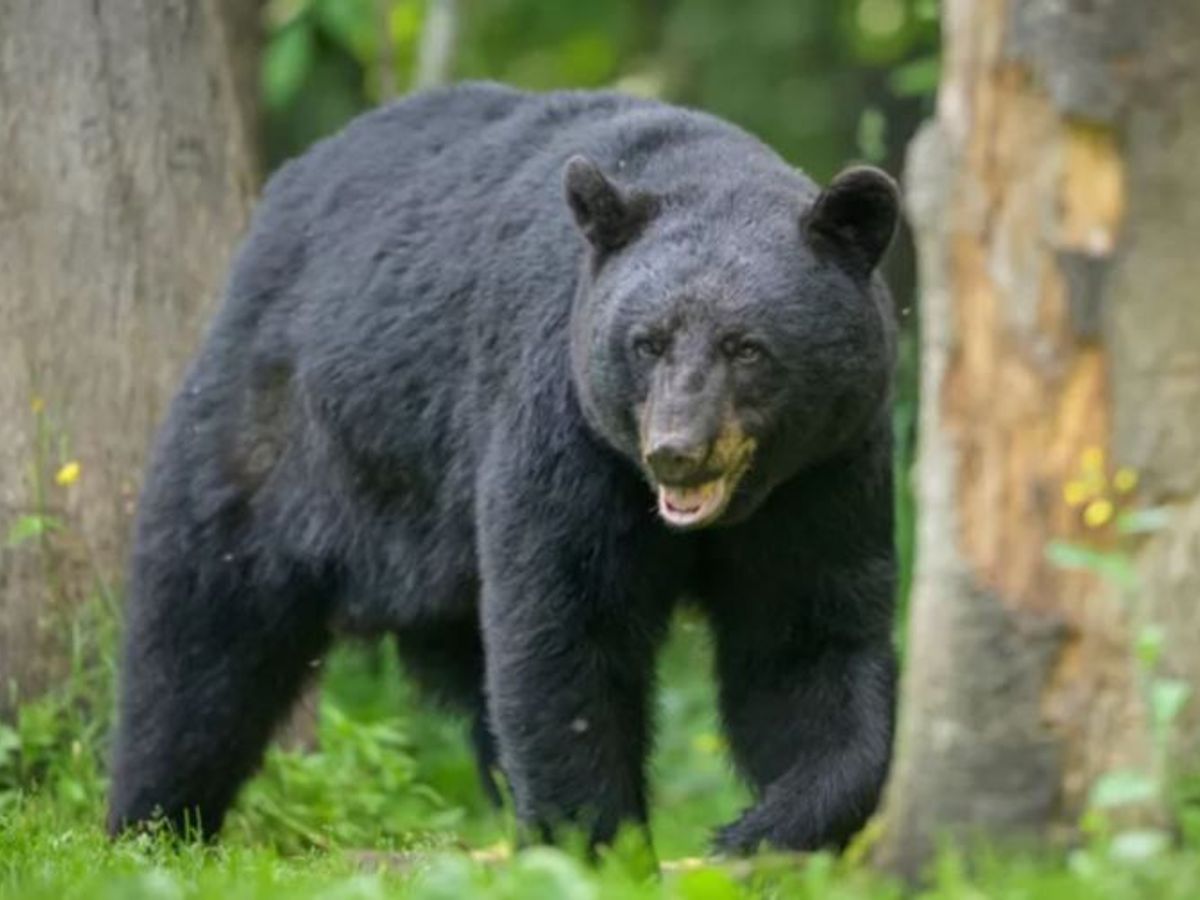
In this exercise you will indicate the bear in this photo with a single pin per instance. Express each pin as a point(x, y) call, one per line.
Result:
point(509, 376)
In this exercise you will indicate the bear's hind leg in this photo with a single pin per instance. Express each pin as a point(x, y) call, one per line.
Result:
point(215, 653)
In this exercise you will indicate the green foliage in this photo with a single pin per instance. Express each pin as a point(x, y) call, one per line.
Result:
point(390, 775)
point(356, 789)
point(43, 856)
point(56, 744)
point(813, 68)
point(1107, 551)
point(916, 78)
point(32, 525)
point(1143, 521)
point(1122, 787)
point(287, 60)
point(1116, 568)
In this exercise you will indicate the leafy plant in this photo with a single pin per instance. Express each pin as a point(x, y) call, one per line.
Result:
point(1107, 508)
point(357, 789)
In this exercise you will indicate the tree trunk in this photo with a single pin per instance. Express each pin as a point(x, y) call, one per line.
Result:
point(242, 25)
point(126, 176)
point(1056, 207)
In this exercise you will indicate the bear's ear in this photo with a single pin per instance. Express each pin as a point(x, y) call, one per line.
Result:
point(856, 216)
point(608, 215)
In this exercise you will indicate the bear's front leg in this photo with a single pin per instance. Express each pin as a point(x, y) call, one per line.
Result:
point(568, 693)
point(811, 724)
point(573, 609)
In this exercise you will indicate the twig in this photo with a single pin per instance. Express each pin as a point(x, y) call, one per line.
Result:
point(386, 59)
point(739, 869)
point(439, 39)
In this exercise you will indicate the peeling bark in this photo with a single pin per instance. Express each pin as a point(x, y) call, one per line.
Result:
point(126, 175)
point(1057, 316)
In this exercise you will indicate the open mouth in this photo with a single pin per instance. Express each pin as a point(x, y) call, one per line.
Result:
point(691, 507)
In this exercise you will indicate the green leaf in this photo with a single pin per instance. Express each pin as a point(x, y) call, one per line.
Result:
point(547, 872)
point(286, 63)
point(1149, 644)
point(1144, 521)
point(1167, 699)
point(927, 10)
point(10, 741)
point(1112, 567)
point(708, 884)
point(351, 24)
point(1072, 556)
point(872, 135)
point(1139, 845)
point(447, 878)
point(1122, 787)
point(587, 59)
point(30, 526)
point(918, 78)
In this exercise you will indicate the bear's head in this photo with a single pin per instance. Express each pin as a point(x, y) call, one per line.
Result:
point(725, 338)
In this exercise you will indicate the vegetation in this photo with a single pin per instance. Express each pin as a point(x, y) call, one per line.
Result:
point(387, 803)
point(821, 86)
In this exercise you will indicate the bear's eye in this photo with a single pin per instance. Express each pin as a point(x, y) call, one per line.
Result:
point(650, 346)
point(742, 350)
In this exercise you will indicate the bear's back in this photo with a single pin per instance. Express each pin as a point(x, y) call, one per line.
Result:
point(432, 236)
point(409, 279)
point(456, 175)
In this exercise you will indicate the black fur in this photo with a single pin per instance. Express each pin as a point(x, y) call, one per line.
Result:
point(424, 409)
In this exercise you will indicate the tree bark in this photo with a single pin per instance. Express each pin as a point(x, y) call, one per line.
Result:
point(242, 25)
point(1056, 206)
point(127, 174)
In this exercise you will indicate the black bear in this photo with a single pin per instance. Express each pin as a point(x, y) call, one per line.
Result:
point(508, 375)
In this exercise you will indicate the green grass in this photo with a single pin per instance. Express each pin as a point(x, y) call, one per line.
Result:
point(394, 779)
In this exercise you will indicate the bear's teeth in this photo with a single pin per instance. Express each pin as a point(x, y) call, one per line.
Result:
point(691, 505)
point(686, 498)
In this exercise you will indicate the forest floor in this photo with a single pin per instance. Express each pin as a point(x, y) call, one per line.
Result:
point(388, 805)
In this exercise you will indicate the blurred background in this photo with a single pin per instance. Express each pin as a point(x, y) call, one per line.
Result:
point(1049, 534)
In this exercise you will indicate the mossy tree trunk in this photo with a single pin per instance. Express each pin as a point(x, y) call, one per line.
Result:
point(1056, 206)
point(126, 175)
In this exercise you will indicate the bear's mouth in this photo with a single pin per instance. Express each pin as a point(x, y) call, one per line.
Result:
point(697, 505)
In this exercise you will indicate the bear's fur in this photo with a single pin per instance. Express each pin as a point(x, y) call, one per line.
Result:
point(508, 375)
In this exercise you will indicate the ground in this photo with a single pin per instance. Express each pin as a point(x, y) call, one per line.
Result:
point(395, 781)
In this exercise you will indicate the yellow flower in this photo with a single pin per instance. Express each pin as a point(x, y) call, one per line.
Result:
point(68, 474)
point(1092, 459)
point(1125, 480)
point(1076, 493)
point(1098, 513)
point(37, 404)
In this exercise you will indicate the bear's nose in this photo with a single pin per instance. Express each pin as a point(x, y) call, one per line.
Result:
point(675, 460)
